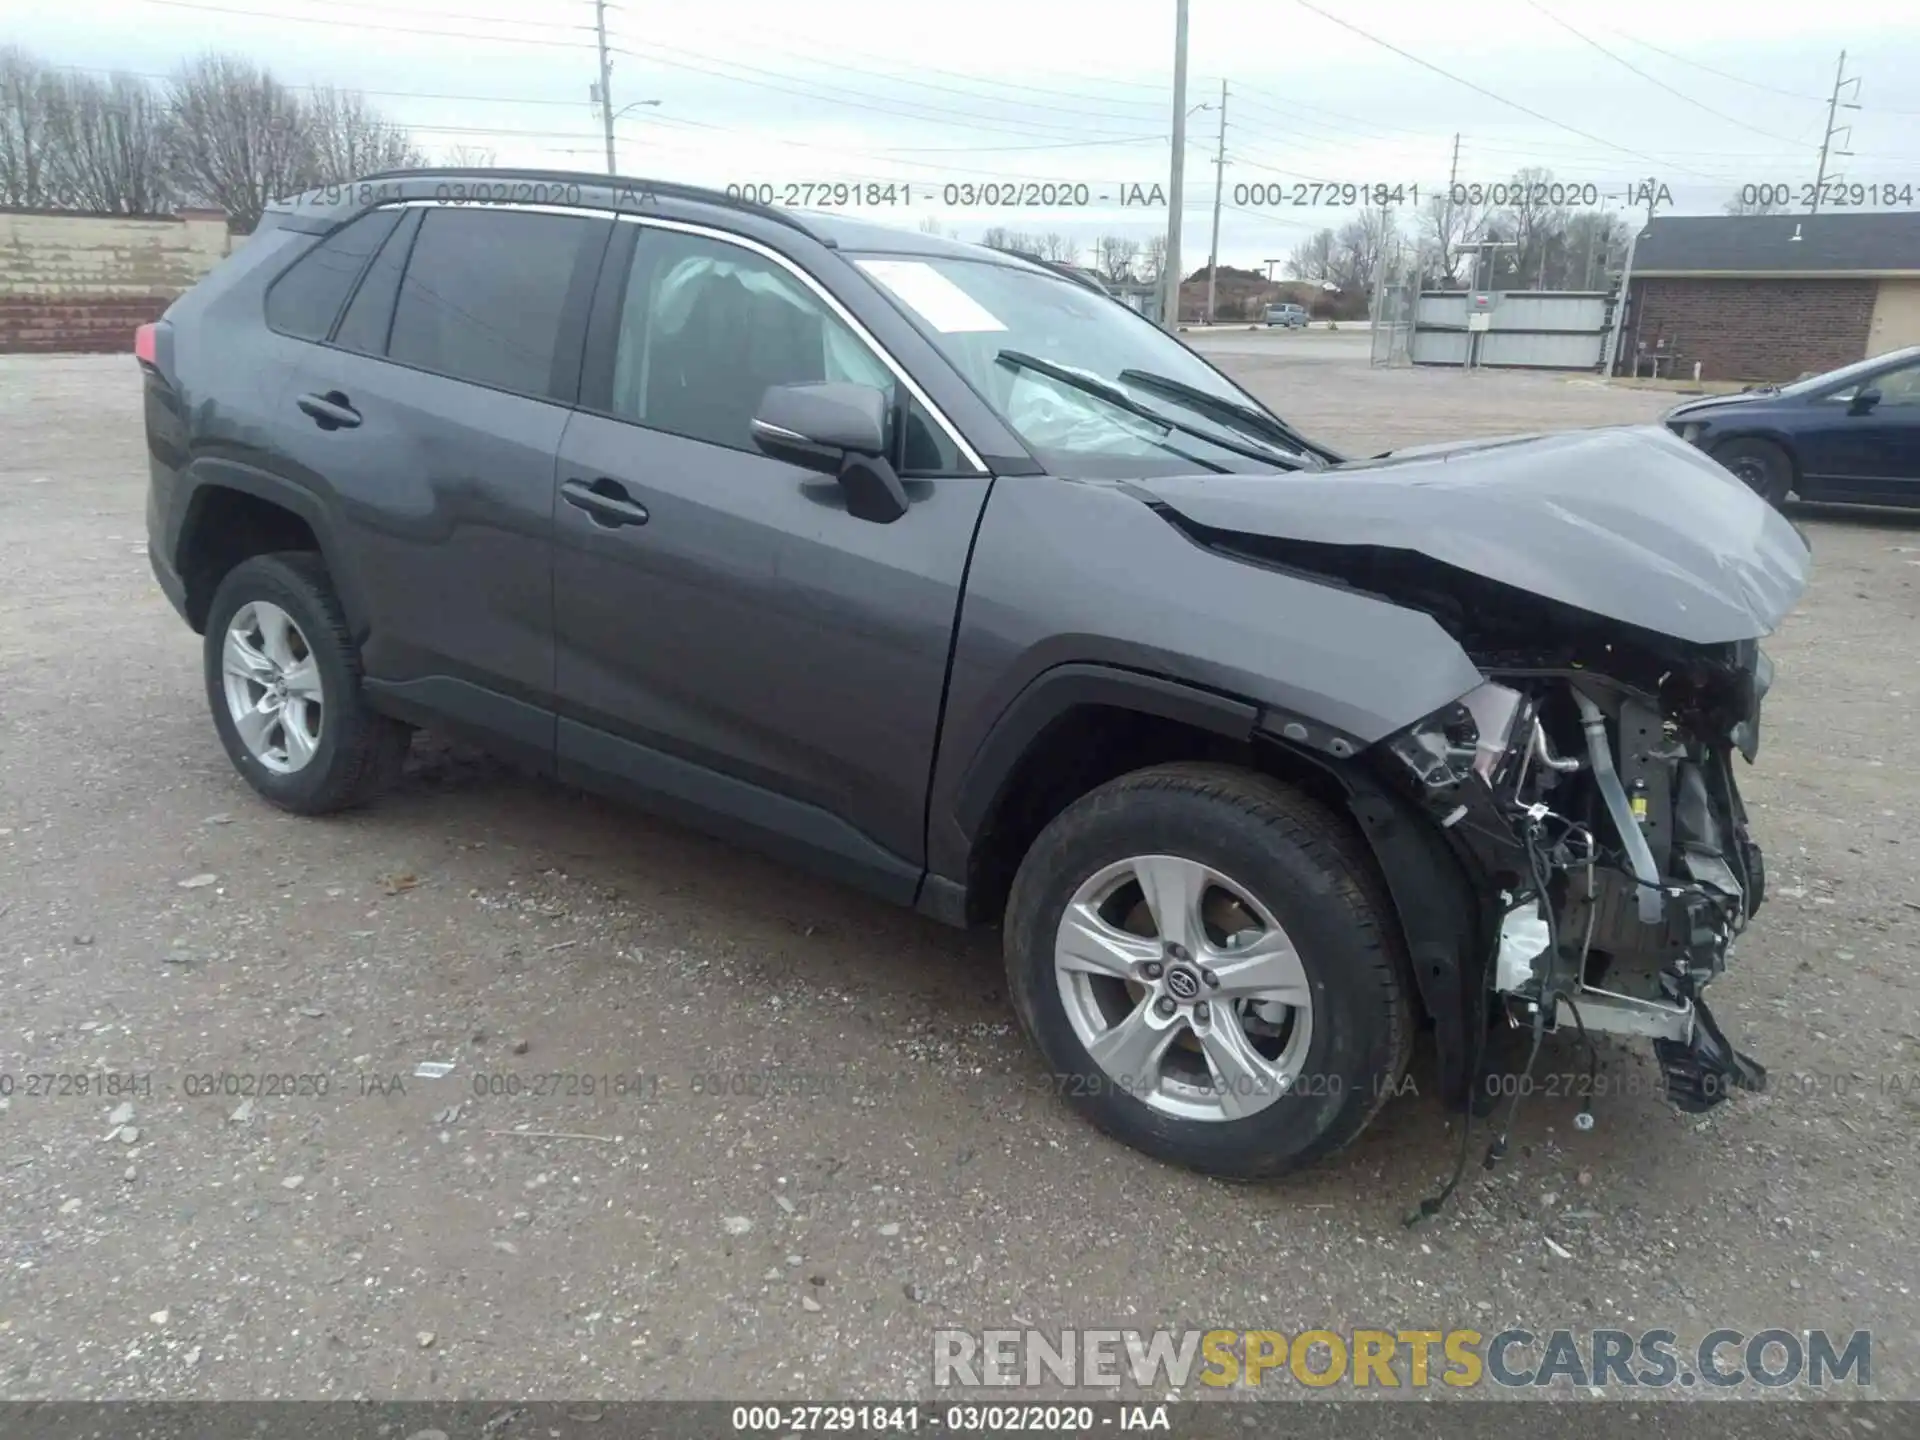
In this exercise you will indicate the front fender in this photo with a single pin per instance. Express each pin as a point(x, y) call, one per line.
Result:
point(1081, 579)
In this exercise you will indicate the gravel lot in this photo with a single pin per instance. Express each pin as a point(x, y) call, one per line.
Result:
point(394, 1237)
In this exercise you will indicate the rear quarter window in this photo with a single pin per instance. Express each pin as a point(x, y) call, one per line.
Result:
point(306, 300)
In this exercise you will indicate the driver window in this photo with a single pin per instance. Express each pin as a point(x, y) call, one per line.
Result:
point(1900, 387)
point(707, 327)
point(1896, 387)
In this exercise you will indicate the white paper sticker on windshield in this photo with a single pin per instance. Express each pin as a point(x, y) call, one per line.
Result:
point(940, 302)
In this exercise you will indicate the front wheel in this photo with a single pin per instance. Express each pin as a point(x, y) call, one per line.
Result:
point(1209, 964)
point(1762, 465)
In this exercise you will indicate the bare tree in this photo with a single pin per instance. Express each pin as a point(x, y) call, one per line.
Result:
point(27, 102)
point(1741, 205)
point(111, 143)
point(1595, 242)
point(1535, 224)
point(468, 157)
point(997, 237)
point(1312, 259)
point(1444, 228)
point(1361, 248)
point(1153, 258)
point(350, 138)
point(1059, 248)
point(1115, 255)
point(240, 138)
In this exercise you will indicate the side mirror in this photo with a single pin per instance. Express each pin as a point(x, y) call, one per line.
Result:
point(835, 429)
point(1864, 400)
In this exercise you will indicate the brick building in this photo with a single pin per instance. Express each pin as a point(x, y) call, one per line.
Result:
point(1771, 297)
point(78, 282)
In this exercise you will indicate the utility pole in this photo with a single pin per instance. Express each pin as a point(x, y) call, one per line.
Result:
point(1219, 189)
point(1833, 105)
point(606, 80)
point(1446, 225)
point(1170, 270)
point(1270, 264)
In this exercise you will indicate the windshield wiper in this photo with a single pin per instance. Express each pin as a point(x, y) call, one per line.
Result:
point(1120, 400)
point(1230, 412)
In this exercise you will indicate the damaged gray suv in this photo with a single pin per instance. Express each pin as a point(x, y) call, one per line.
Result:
point(941, 573)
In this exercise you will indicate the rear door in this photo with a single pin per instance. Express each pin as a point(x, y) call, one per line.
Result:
point(749, 655)
point(433, 414)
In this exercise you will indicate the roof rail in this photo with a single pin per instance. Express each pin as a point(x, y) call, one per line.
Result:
point(671, 188)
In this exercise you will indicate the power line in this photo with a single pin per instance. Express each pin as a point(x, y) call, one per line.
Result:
point(1755, 84)
point(1478, 89)
point(917, 81)
point(934, 114)
point(370, 25)
point(1655, 80)
point(1724, 75)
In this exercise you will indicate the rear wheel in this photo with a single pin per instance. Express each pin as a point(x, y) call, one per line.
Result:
point(1207, 961)
point(283, 680)
point(1762, 465)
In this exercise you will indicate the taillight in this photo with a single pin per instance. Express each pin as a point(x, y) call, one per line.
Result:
point(146, 346)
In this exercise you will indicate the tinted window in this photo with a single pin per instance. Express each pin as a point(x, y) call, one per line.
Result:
point(306, 300)
point(364, 326)
point(706, 327)
point(484, 295)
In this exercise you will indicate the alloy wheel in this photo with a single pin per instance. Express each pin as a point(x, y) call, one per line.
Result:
point(1184, 988)
point(273, 687)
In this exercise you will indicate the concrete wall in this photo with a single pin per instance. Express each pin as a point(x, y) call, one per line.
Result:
point(83, 282)
point(1751, 330)
point(1896, 316)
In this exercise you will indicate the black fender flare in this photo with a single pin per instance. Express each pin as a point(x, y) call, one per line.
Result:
point(205, 474)
point(1444, 917)
point(1053, 693)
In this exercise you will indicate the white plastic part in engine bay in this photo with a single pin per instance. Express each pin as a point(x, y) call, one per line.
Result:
point(1524, 938)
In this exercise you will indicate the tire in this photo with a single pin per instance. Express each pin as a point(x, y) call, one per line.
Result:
point(1311, 874)
point(1762, 465)
point(349, 753)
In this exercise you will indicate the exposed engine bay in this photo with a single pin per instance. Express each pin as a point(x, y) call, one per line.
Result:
point(1591, 777)
point(1599, 599)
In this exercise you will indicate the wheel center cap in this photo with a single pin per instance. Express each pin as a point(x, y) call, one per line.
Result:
point(1183, 982)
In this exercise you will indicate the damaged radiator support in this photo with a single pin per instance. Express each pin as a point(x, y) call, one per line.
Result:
point(1660, 917)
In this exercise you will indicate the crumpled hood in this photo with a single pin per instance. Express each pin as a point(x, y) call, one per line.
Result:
point(1631, 523)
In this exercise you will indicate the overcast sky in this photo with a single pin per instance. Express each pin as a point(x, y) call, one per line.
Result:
point(1014, 90)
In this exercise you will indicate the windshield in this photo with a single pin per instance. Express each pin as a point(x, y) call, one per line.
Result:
point(1856, 371)
point(978, 312)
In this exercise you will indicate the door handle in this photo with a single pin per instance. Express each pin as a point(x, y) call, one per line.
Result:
point(605, 501)
point(331, 411)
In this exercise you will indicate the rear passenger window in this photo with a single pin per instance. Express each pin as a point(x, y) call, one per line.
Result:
point(306, 300)
point(484, 296)
point(364, 326)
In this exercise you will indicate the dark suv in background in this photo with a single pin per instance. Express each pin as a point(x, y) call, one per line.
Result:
point(943, 574)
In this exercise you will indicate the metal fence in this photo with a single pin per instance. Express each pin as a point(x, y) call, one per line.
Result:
point(1526, 329)
point(1395, 308)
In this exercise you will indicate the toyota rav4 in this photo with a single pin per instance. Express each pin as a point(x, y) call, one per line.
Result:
point(948, 576)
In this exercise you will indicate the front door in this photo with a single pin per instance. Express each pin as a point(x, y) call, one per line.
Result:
point(734, 647)
point(1872, 451)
